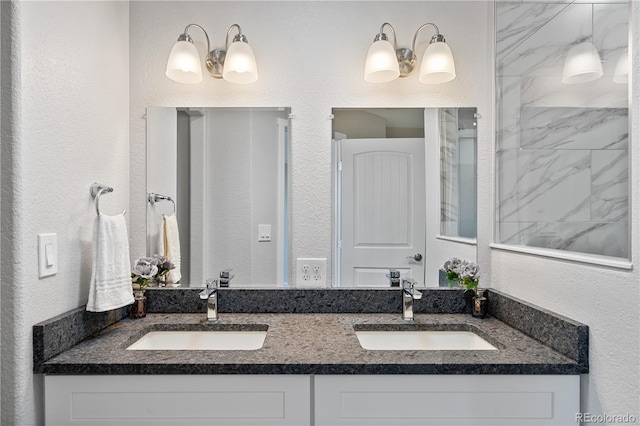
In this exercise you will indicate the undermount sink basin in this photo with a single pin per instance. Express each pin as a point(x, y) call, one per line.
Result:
point(200, 341)
point(423, 341)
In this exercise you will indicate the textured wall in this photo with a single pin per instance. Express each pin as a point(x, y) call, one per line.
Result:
point(310, 57)
point(70, 126)
point(603, 298)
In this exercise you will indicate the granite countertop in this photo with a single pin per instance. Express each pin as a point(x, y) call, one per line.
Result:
point(310, 343)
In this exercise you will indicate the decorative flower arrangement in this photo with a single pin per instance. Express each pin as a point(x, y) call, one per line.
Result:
point(462, 272)
point(148, 269)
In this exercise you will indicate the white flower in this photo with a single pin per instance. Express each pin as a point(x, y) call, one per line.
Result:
point(144, 269)
point(471, 271)
point(452, 264)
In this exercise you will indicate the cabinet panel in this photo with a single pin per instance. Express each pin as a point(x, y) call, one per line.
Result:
point(177, 400)
point(446, 400)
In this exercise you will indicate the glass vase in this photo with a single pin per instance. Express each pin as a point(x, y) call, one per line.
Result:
point(468, 296)
point(139, 306)
point(480, 305)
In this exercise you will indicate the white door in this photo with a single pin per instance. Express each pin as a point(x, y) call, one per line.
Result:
point(382, 205)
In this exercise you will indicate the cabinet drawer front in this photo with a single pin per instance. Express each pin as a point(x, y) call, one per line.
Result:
point(172, 400)
point(446, 400)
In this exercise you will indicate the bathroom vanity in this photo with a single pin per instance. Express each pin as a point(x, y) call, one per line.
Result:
point(313, 370)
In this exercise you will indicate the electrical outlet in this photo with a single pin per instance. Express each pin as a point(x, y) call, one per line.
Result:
point(311, 272)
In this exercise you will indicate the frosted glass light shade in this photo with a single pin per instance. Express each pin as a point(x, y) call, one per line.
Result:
point(437, 64)
point(240, 64)
point(184, 64)
point(621, 71)
point(381, 64)
point(582, 64)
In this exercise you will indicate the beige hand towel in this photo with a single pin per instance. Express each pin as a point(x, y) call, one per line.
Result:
point(171, 243)
point(110, 285)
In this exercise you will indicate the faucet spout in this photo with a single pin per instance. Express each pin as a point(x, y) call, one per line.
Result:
point(409, 294)
point(210, 293)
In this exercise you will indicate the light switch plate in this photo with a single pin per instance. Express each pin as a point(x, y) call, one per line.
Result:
point(264, 232)
point(47, 255)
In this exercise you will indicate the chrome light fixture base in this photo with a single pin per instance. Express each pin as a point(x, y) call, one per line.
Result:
point(215, 62)
point(406, 61)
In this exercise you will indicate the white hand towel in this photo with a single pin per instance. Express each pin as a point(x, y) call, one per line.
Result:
point(171, 243)
point(110, 286)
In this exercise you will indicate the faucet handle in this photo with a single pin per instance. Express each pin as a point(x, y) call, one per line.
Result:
point(210, 286)
point(393, 273)
point(394, 277)
point(225, 277)
point(408, 283)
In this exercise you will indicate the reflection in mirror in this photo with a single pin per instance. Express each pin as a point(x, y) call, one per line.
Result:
point(226, 169)
point(458, 187)
point(387, 193)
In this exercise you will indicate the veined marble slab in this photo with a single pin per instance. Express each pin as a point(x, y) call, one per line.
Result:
point(548, 185)
point(610, 186)
point(574, 128)
point(519, 21)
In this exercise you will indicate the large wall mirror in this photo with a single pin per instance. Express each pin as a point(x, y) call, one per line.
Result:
point(226, 170)
point(405, 193)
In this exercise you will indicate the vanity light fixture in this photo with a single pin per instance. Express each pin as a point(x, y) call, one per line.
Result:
point(236, 63)
point(385, 62)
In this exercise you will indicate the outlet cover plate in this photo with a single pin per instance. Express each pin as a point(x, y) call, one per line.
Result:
point(311, 272)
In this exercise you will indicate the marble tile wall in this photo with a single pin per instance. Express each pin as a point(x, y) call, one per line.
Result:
point(561, 149)
point(458, 140)
point(449, 186)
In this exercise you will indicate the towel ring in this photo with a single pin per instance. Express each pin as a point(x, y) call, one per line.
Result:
point(153, 198)
point(96, 190)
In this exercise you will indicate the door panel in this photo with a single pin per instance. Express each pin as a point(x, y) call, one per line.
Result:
point(383, 210)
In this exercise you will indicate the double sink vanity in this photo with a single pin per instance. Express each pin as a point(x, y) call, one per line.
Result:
point(313, 357)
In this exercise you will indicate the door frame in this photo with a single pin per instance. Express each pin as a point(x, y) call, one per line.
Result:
point(336, 162)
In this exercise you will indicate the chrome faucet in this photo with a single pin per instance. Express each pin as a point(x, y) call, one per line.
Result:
point(211, 294)
point(409, 294)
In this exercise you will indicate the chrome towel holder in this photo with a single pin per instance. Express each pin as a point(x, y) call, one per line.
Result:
point(153, 198)
point(96, 190)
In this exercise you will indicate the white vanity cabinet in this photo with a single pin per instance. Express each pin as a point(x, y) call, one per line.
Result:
point(397, 400)
point(321, 400)
point(177, 400)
